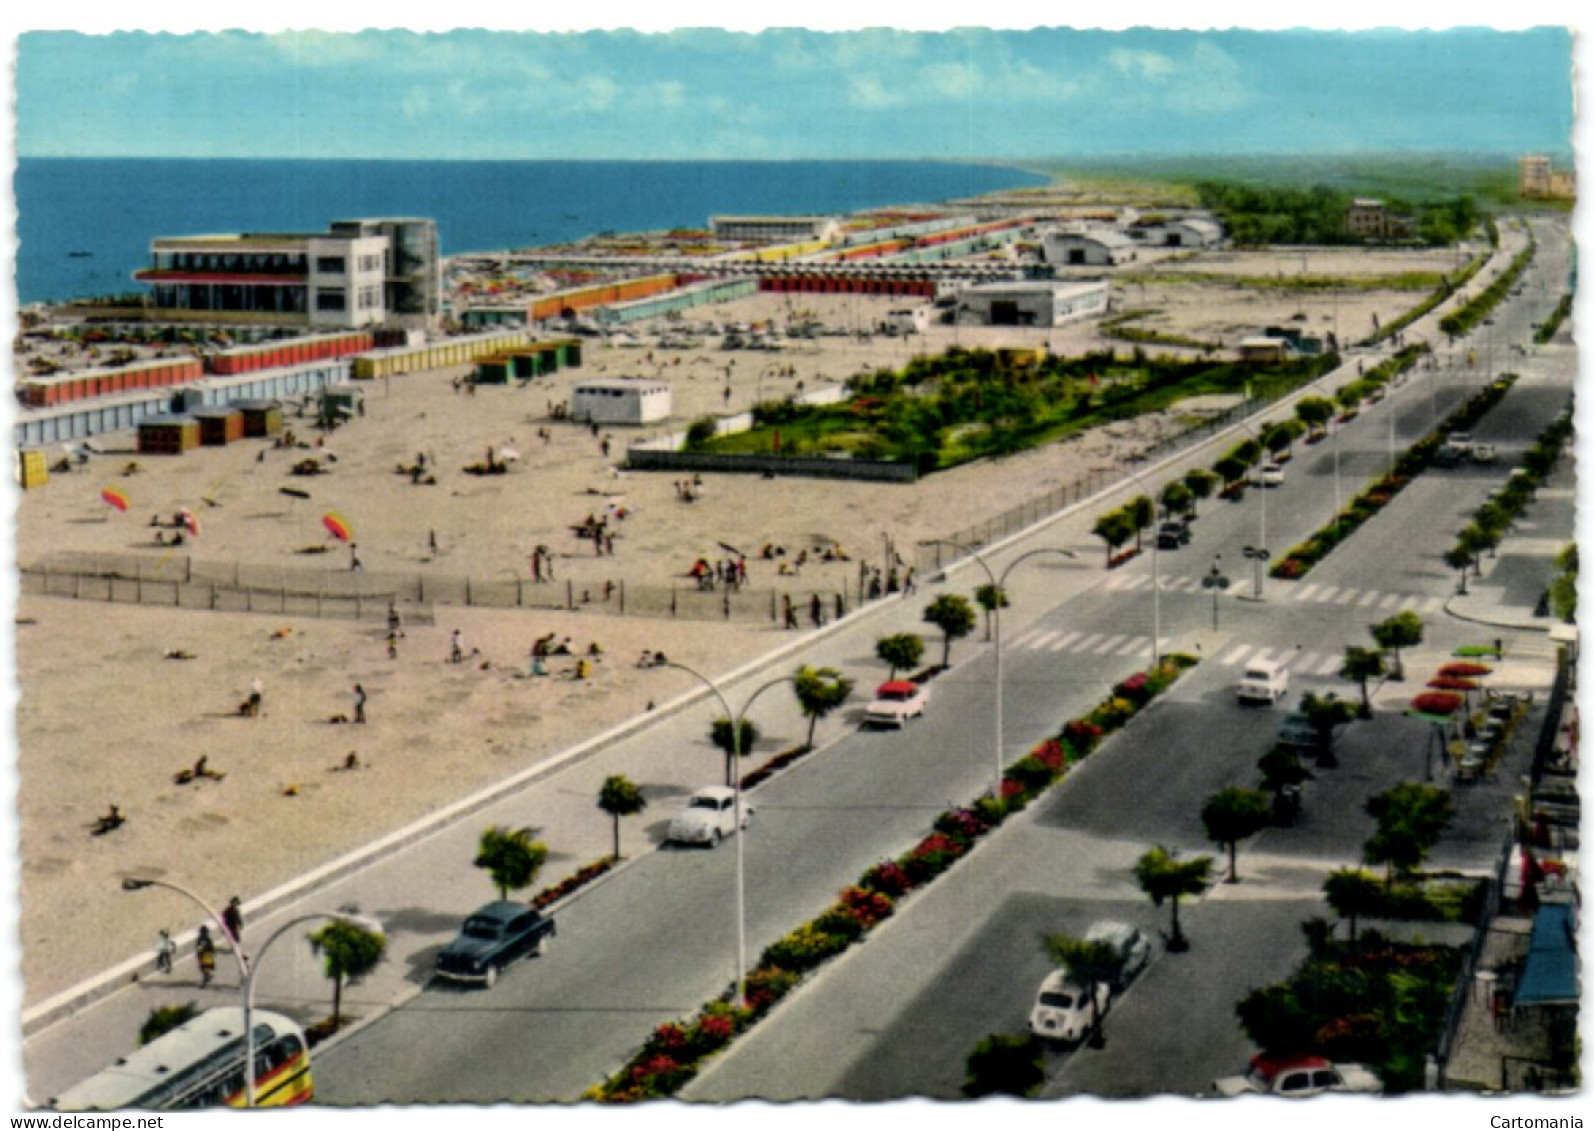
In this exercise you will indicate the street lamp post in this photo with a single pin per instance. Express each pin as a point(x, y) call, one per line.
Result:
point(1217, 583)
point(135, 883)
point(1259, 556)
point(1156, 573)
point(249, 986)
point(996, 617)
point(740, 979)
point(1261, 541)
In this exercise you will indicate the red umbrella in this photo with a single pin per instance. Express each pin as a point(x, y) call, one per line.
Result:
point(115, 497)
point(337, 526)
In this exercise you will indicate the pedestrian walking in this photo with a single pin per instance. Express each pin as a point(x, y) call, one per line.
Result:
point(165, 951)
point(232, 917)
point(359, 704)
point(816, 611)
point(355, 565)
point(395, 623)
point(789, 612)
point(256, 692)
point(456, 648)
point(392, 645)
point(205, 956)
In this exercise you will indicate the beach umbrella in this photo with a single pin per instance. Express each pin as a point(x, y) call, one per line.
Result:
point(190, 522)
point(337, 526)
point(115, 497)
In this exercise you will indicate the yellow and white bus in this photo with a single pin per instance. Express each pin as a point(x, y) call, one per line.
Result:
point(201, 1064)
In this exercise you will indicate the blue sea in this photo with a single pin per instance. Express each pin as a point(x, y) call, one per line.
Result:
point(85, 225)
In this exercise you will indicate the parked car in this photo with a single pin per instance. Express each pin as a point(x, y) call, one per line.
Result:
point(1297, 731)
point(1461, 441)
point(1296, 1076)
point(1446, 455)
point(1264, 681)
point(492, 937)
point(895, 702)
point(1130, 944)
point(1062, 1010)
point(709, 817)
point(1271, 475)
point(1483, 453)
point(1173, 534)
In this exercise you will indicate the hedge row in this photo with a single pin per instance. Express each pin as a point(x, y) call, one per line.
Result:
point(674, 1053)
point(1491, 520)
point(1302, 557)
point(1479, 308)
point(1550, 325)
point(1440, 294)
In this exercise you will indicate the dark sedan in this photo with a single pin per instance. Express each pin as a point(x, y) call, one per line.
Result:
point(491, 938)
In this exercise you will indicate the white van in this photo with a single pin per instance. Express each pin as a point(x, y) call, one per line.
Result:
point(1264, 681)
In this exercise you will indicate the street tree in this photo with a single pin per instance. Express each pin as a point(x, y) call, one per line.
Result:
point(1142, 513)
point(348, 952)
point(1349, 397)
point(954, 616)
point(1230, 469)
point(1403, 630)
point(510, 857)
point(1361, 665)
point(1411, 817)
point(1162, 876)
point(819, 692)
point(620, 797)
point(1232, 815)
point(1201, 483)
point(1460, 559)
point(1326, 713)
point(990, 598)
point(1114, 528)
point(1281, 772)
point(1176, 498)
point(900, 651)
point(1282, 436)
point(1353, 894)
point(1314, 412)
point(1092, 962)
point(1003, 1065)
point(737, 743)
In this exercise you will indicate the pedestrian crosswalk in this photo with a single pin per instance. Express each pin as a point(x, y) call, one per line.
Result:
point(1301, 661)
point(1310, 593)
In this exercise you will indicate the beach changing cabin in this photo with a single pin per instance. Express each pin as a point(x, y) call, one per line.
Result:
point(620, 400)
point(219, 425)
point(167, 435)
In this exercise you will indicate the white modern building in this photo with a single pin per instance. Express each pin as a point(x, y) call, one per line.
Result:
point(360, 273)
point(620, 400)
point(1043, 303)
point(1094, 247)
point(1190, 231)
point(776, 229)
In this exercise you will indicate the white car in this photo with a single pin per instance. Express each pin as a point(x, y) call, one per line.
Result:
point(709, 816)
point(1271, 475)
point(1062, 1009)
point(895, 702)
point(1298, 1076)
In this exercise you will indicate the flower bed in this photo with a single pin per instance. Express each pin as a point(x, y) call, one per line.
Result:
point(580, 879)
point(673, 1054)
point(778, 762)
point(1378, 494)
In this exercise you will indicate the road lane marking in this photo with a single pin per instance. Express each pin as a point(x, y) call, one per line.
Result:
point(1330, 666)
point(1117, 581)
point(1236, 656)
point(1136, 644)
point(1086, 644)
point(1038, 642)
point(1327, 594)
point(1392, 601)
point(1433, 604)
point(1180, 584)
point(1066, 641)
point(1110, 644)
point(1262, 656)
point(1305, 594)
point(1347, 596)
point(1371, 598)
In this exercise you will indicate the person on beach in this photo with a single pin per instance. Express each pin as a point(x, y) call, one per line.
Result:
point(257, 692)
point(456, 648)
point(205, 956)
point(165, 951)
point(816, 611)
point(395, 624)
point(359, 704)
point(392, 645)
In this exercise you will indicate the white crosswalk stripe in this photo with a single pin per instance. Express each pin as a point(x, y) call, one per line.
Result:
point(1236, 656)
point(1347, 596)
point(1330, 666)
point(1119, 580)
point(1327, 594)
point(1109, 645)
point(1033, 641)
point(1372, 596)
point(1023, 639)
point(1306, 593)
point(1136, 644)
point(1066, 641)
point(1089, 642)
point(1433, 604)
point(1181, 584)
point(1392, 601)
point(1262, 656)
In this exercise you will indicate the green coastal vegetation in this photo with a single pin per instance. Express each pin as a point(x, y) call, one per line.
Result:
point(939, 412)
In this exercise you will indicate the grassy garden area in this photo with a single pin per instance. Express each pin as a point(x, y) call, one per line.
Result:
point(939, 412)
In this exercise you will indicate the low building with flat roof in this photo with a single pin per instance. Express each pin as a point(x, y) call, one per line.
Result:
point(1038, 302)
point(620, 400)
point(1090, 247)
point(773, 229)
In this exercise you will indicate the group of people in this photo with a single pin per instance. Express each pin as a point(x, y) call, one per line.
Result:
point(727, 571)
point(232, 924)
point(688, 490)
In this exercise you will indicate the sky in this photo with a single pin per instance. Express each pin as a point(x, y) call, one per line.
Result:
point(792, 93)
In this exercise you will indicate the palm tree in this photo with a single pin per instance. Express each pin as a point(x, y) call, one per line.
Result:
point(510, 857)
point(1093, 962)
point(954, 616)
point(1403, 630)
point(819, 692)
point(1231, 815)
point(620, 797)
point(1114, 528)
point(1361, 665)
point(348, 952)
point(1352, 892)
point(736, 743)
point(900, 651)
point(1161, 876)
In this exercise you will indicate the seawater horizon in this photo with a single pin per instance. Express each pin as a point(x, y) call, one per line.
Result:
point(84, 224)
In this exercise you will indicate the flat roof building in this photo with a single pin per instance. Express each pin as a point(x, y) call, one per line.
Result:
point(1041, 303)
point(359, 273)
point(1094, 247)
point(620, 400)
point(772, 229)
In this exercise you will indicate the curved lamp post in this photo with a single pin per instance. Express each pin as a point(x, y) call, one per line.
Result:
point(1261, 538)
point(996, 616)
point(138, 883)
point(360, 921)
point(740, 981)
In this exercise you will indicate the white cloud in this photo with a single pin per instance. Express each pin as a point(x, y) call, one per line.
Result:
point(1149, 66)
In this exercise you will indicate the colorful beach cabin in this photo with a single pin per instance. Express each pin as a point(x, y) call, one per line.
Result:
point(167, 435)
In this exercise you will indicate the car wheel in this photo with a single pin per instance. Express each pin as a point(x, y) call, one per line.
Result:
point(491, 976)
point(540, 947)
